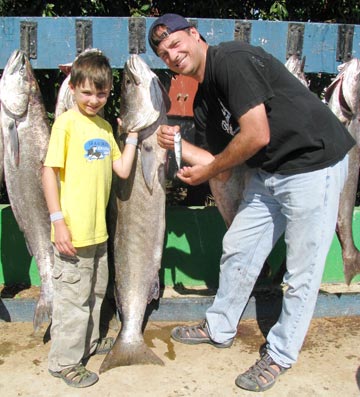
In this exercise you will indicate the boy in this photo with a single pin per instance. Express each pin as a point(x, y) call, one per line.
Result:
point(82, 153)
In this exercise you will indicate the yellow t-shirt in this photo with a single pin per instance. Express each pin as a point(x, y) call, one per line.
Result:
point(83, 148)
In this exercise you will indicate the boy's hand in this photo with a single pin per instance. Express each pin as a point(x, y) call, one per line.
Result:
point(63, 238)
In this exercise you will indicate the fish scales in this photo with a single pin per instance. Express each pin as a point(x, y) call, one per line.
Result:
point(343, 97)
point(24, 123)
point(228, 193)
point(296, 67)
point(139, 210)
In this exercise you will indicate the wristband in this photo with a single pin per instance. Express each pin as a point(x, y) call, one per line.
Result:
point(56, 216)
point(131, 141)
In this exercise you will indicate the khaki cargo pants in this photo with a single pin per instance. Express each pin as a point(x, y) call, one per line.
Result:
point(79, 288)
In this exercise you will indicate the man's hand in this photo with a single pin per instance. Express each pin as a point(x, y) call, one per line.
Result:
point(195, 175)
point(165, 136)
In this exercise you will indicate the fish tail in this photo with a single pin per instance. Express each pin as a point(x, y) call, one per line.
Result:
point(124, 354)
point(351, 268)
point(42, 313)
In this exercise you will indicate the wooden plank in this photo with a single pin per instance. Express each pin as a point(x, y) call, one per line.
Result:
point(271, 36)
point(320, 42)
point(56, 40)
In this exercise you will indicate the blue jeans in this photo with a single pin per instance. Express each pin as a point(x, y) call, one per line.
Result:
point(304, 207)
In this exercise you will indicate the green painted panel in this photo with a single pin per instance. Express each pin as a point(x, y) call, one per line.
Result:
point(16, 266)
point(192, 250)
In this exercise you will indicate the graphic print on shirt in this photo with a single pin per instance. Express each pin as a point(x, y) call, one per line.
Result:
point(228, 124)
point(96, 149)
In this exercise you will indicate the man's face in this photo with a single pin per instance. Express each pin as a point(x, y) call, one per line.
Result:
point(181, 51)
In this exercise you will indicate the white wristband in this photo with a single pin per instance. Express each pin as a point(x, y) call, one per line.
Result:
point(131, 141)
point(56, 216)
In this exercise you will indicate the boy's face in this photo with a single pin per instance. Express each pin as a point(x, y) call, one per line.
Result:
point(88, 99)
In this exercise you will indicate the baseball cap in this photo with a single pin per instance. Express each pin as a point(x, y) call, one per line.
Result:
point(172, 22)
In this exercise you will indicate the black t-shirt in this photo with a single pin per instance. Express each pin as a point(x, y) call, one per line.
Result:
point(304, 133)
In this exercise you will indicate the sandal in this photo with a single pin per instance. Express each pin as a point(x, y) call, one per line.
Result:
point(77, 376)
point(104, 345)
point(193, 335)
point(261, 376)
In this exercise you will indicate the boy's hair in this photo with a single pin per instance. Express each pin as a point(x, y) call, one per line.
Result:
point(93, 65)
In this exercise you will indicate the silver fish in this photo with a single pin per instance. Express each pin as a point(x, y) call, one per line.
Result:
point(140, 219)
point(178, 149)
point(343, 98)
point(65, 99)
point(228, 193)
point(26, 134)
point(296, 67)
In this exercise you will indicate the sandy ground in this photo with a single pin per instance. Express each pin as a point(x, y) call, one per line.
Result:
point(329, 365)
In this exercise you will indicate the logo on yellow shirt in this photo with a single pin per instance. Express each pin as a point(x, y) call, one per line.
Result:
point(96, 149)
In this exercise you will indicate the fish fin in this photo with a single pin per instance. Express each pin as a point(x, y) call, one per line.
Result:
point(351, 270)
point(329, 91)
point(344, 105)
point(14, 142)
point(28, 247)
point(43, 312)
point(148, 164)
point(124, 354)
point(155, 290)
point(302, 65)
point(166, 98)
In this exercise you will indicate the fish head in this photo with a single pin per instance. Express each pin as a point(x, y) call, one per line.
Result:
point(343, 94)
point(17, 83)
point(141, 97)
point(350, 72)
point(296, 66)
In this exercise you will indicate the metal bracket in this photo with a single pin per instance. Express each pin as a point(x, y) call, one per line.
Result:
point(242, 31)
point(28, 38)
point(295, 39)
point(344, 43)
point(137, 42)
point(84, 37)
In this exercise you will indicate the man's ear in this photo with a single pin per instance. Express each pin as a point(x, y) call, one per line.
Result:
point(193, 31)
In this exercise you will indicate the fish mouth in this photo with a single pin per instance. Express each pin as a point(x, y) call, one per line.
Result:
point(17, 62)
point(133, 69)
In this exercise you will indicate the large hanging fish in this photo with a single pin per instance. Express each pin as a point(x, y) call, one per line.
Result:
point(343, 97)
point(26, 133)
point(139, 214)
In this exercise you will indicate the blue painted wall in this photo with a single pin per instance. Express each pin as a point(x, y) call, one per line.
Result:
point(56, 40)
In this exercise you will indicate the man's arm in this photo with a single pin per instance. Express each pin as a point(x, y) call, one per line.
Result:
point(254, 135)
point(191, 154)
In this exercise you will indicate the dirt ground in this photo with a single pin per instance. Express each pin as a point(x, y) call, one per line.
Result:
point(329, 365)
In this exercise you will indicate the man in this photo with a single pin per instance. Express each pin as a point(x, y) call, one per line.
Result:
point(253, 110)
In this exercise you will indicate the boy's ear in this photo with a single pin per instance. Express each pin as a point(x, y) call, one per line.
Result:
point(72, 88)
